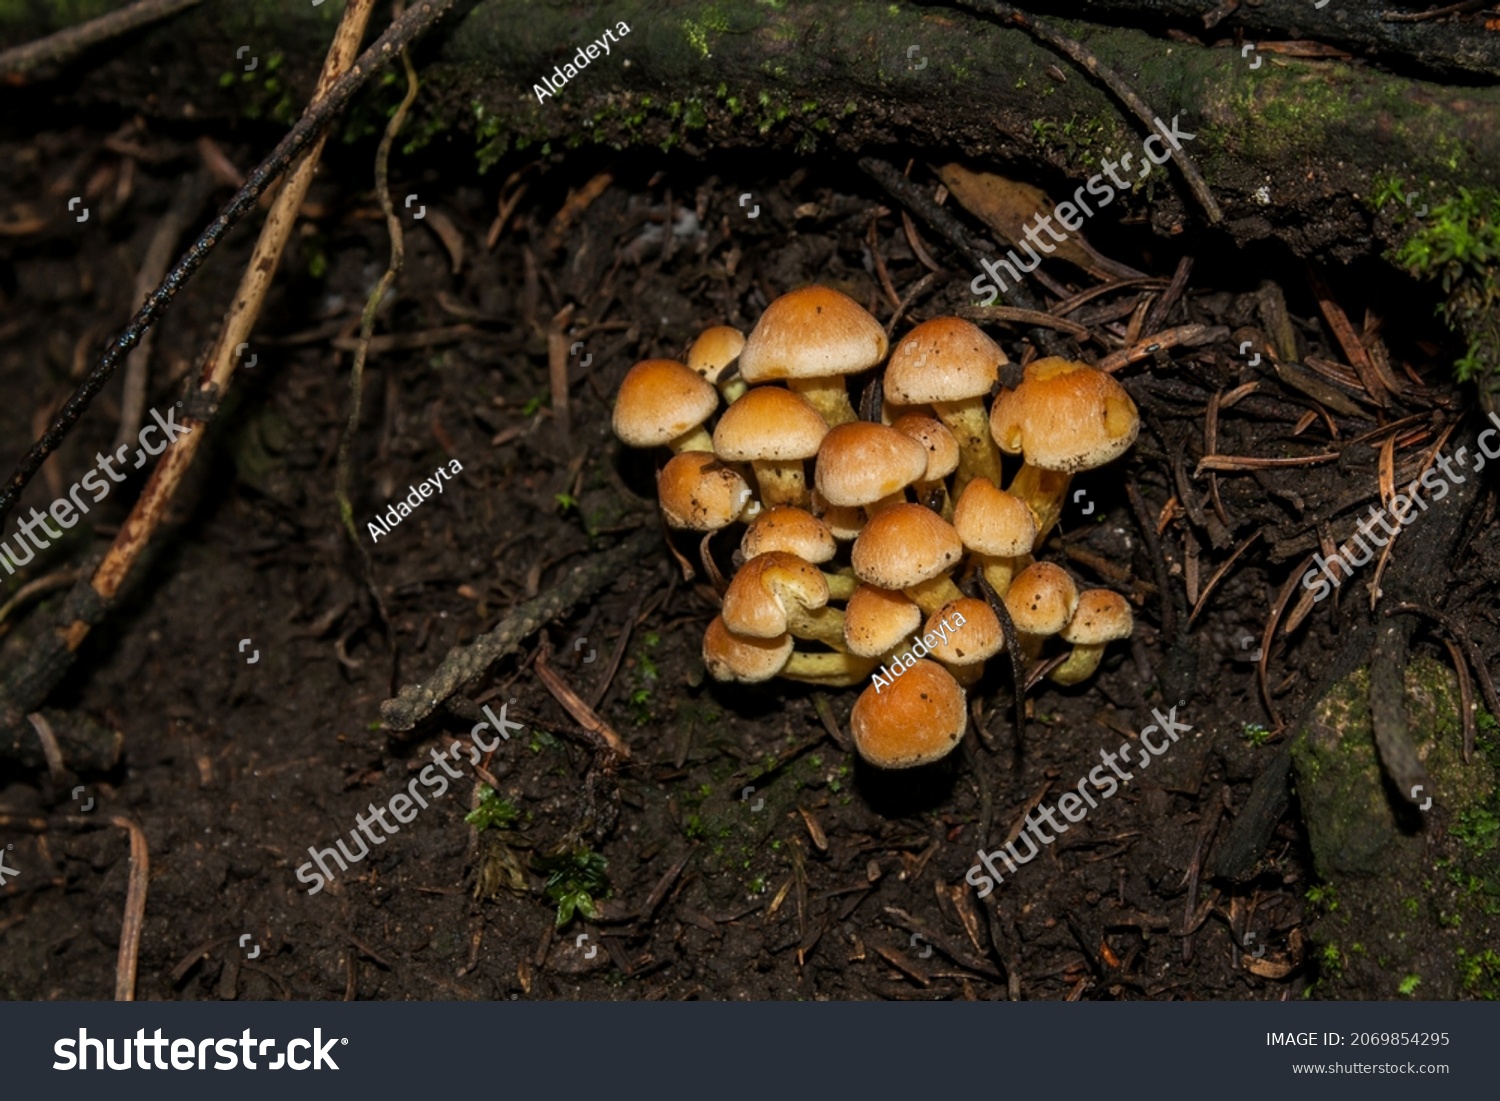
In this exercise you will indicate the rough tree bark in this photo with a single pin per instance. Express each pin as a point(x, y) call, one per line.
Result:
point(1289, 147)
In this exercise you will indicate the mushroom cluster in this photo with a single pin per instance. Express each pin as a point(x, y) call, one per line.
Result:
point(854, 575)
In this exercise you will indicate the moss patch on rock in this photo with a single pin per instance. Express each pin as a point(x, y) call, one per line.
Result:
point(1438, 869)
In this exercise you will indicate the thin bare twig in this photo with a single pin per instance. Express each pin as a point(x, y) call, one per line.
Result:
point(68, 43)
point(135, 893)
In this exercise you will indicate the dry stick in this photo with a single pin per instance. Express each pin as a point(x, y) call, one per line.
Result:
point(318, 116)
point(135, 893)
point(220, 363)
point(1013, 651)
point(69, 43)
point(182, 209)
point(1085, 57)
point(362, 349)
point(466, 663)
point(1158, 562)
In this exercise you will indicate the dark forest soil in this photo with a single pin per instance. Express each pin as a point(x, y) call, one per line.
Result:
point(827, 880)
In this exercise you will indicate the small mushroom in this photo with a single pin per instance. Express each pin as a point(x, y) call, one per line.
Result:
point(775, 431)
point(796, 531)
point(976, 638)
point(1041, 601)
point(999, 528)
point(812, 338)
point(777, 593)
point(699, 492)
point(950, 364)
point(731, 657)
point(942, 460)
point(919, 718)
point(660, 402)
point(713, 356)
point(1064, 417)
point(877, 621)
point(869, 465)
point(910, 548)
point(1101, 617)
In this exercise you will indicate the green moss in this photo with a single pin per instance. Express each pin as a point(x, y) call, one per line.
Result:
point(698, 31)
point(1480, 973)
point(1457, 243)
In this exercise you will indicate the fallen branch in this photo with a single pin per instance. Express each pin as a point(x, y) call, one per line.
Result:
point(464, 664)
point(135, 894)
point(68, 44)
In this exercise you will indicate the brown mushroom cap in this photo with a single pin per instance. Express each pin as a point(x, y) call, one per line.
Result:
point(1065, 416)
point(991, 521)
point(769, 424)
point(747, 660)
point(699, 492)
point(919, 718)
point(1101, 616)
point(757, 602)
point(859, 463)
point(714, 350)
point(814, 332)
point(1041, 599)
point(945, 359)
point(790, 529)
point(977, 638)
point(933, 435)
point(659, 401)
point(877, 619)
point(904, 545)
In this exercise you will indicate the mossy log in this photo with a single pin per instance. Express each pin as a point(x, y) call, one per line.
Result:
point(1290, 148)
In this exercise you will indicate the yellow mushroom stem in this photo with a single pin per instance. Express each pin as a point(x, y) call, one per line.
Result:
point(841, 585)
point(732, 388)
point(897, 498)
point(932, 594)
point(1044, 492)
point(825, 625)
point(827, 395)
point(832, 670)
point(964, 674)
point(1000, 572)
point(697, 439)
point(978, 457)
point(781, 482)
point(1080, 665)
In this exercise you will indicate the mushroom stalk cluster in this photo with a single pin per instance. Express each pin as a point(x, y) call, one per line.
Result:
point(853, 563)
